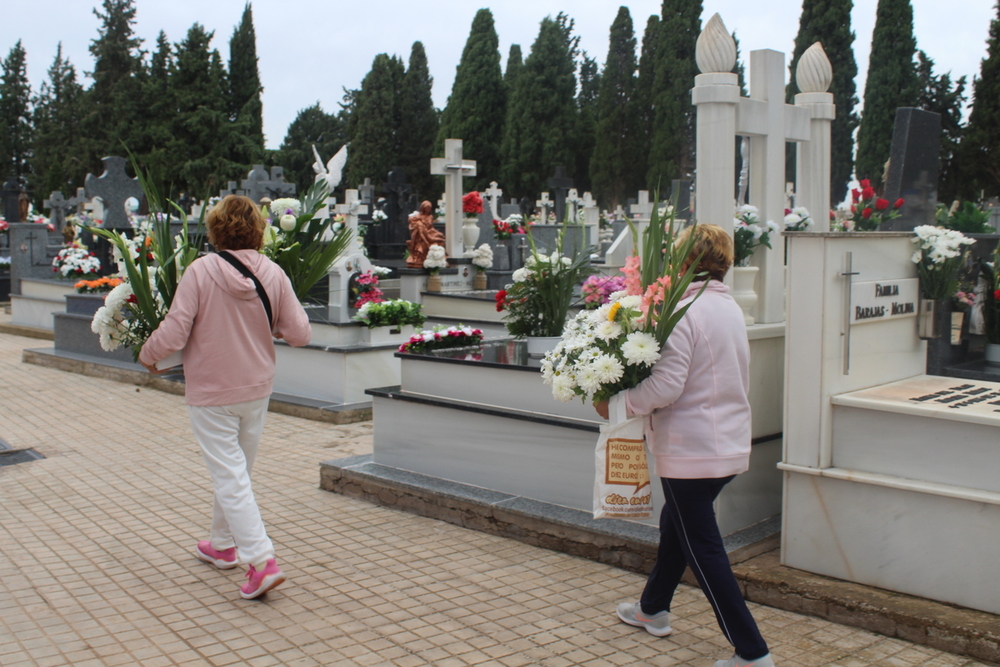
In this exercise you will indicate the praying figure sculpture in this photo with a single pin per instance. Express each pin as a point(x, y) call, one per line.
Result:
point(422, 235)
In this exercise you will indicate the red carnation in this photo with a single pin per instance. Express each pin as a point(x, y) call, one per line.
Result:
point(899, 203)
point(866, 183)
point(868, 193)
point(472, 202)
point(855, 195)
point(996, 295)
point(867, 213)
point(500, 298)
point(833, 216)
point(881, 204)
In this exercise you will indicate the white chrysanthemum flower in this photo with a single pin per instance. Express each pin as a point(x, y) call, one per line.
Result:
point(588, 379)
point(608, 368)
point(631, 302)
point(641, 348)
point(520, 275)
point(562, 388)
point(608, 330)
point(285, 206)
point(617, 296)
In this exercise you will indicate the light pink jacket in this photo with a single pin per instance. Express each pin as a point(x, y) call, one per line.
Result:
point(696, 398)
point(218, 319)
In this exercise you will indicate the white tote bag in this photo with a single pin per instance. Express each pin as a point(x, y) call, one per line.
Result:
point(621, 482)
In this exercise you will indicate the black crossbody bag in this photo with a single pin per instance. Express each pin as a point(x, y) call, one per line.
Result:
point(241, 267)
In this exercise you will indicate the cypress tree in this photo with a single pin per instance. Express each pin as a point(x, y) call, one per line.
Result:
point(375, 118)
point(477, 105)
point(586, 104)
point(57, 119)
point(940, 95)
point(616, 163)
point(419, 124)
point(202, 126)
point(891, 83)
point(16, 129)
point(541, 116)
point(514, 65)
point(980, 148)
point(645, 95)
point(829, 22)
point(164, 152)
point(244, 86)
point(114, 103)
point(311, 127)
point(671, 152)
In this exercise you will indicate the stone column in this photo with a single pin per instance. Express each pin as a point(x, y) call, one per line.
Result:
point(812, 170)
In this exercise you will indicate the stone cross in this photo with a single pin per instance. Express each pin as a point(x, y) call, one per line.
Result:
point(545, 204)
point(366, 191)
point(643, 210)
point(10, 193)
point(619, 212)
point(58, 205)
point(80, 199)
point(397, 192)
point(574, 201)
point(351, 209)
point(114, 187)
point(560, 183)
point(453, 167)
point(259, 184)
point(493, 194)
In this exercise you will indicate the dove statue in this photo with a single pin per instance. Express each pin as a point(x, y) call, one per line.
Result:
point(331, 172)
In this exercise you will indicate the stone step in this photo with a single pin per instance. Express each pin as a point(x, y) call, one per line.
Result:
point(472, 306)
point(73, 334)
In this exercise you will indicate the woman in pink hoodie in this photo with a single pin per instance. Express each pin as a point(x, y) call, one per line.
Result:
point(219, 321)
point(698, 430)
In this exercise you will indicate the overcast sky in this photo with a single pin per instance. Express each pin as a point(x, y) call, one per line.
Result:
point(309, 50)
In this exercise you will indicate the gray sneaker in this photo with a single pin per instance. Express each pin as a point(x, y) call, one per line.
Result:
point(657, 625)
point(737, 661)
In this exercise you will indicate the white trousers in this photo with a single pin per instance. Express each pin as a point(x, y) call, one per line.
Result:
point(229, 436)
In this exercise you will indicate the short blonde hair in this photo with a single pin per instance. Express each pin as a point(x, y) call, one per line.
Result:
point(714, 245)
point(235, 223)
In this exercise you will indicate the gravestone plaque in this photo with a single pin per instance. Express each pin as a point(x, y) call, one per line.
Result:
point(913, 168)
point(560, 182)
point(114, 187)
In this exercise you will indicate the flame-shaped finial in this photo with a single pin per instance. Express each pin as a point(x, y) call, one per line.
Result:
point(715, 50)
point(814, 74)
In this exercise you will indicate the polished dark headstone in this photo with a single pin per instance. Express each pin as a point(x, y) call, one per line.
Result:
point(913, 168)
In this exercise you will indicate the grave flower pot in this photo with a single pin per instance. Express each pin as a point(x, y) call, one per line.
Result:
point(434, 282)
point(933, 319)
point(539, 345)
point(479, 280)
point(470, 233)
point(992, 354)
point(743, 292)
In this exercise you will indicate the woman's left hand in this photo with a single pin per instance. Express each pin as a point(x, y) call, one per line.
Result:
point(602, 408)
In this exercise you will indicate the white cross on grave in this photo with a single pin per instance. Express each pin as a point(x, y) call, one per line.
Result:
point(644, 209)
point(545, 204)
point(493, 194)
point(591, 214)
point(573, 201)
point(453, 167)
point(351, 209)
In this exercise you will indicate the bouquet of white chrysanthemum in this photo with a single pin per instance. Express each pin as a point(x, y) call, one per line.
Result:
point(613, 348)
point(939, 260)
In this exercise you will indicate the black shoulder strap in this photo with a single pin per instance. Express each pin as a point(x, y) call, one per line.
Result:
point(242, 268)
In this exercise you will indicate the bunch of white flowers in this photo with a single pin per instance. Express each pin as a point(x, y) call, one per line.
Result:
point(436, 258)
point(483, 256)
point(749, 233)
point(797, 219)
point(602, 352)
point(76, 262)
point(112, 323)
point(938, 244)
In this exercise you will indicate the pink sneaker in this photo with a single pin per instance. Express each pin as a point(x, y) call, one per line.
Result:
point(224, 560)
point(261, 582)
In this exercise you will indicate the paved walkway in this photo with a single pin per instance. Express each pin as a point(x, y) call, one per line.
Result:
point(96, 566)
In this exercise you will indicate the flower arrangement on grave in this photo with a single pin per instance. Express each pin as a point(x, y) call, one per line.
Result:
point(749, 234)
point(797, 219)
point(472, 203)
point(440, 338)
point(990, 273)
point(939, 259)
point(3, 224)
point(76, 261)
point(964, 217)
point(436, 260)
point(378, 215)
point(365, 289)
point(391, 313)
point(597, 290)
point(150, 268)
point(614, 347)
point(537, 303)
point(300, 243)
point(99, 286)
point(482, 257)
point(868, 210)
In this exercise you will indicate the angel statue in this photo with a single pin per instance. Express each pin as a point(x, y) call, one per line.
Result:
point(331, 172)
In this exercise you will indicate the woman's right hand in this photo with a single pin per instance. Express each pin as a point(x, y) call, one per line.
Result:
point(602, 408)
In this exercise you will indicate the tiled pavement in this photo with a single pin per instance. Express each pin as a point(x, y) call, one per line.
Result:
point(96, 566)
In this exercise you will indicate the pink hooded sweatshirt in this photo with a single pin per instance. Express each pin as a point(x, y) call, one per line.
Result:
point(218, 319)
point(696, 398)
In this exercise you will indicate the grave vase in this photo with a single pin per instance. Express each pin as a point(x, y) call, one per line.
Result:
point(743, 292)
point(539, 345)
point(933, 319)
point(992, 354)
point(470, 233)
point(434, 282)
point(479, 280)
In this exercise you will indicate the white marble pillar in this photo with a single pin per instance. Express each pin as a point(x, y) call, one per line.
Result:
point(814, 75)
